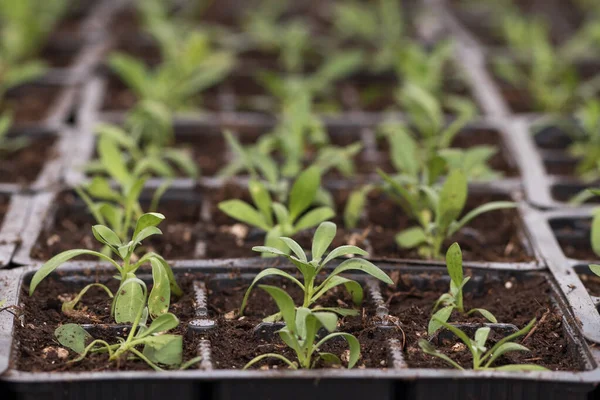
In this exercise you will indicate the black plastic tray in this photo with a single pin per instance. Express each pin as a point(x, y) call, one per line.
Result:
point(395, 382)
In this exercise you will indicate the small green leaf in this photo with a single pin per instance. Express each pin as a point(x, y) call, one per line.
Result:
point(411, 237)
point(295, 247)
point(442, 315)
point(164, 349)
point(147, 220)
point(304, 191)
point(284, 303)
point(454, 264)
point(73, 337)
point(481, 336)
point(342, 251)
point(595, 234)
point(160, 295)
point(595, 268)
point(313, 218)
point(162, 323)
point(106, 236)
point(360, 264)
point(486, 314)
point(262, 199)
point(129, 301)
point(453, 196)
point(322, 239)
point(243, 212)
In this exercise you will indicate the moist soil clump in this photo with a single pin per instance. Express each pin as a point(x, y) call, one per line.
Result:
point(24, 165)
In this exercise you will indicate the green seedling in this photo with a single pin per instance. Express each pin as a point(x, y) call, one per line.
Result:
point(595, 235)
point(275, 218)
point(453, 300)
point(549, 76)
point(9, 144)
point(380, 27)
point(312, 269)
point(188, 68)
point(132, 151)
point(426, 138)
point(117, 207)
point(24, 28)
point(585, 134)
point(158, 347)
point(436, 209)
point(300, 334)
point(130, 293)
point(482, 357)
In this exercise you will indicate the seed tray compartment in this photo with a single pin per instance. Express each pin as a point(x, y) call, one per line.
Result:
point(224, 384)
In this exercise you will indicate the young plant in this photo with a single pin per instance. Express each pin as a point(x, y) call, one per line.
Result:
point(482, 357)
point(550, 77)
point(118, 207)
point(585, 134)
point(24, 27)
point(411, 149)
point(188, 68)
point(286, 221)
point(310, 270)
point(436, 210)
point(300, 334)
point(453, 300)
point(159, 347)
point(130, 293)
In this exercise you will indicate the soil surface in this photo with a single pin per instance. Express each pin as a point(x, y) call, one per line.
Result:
point(24, 165)
point(574, 238)
point(591, 283)
point(41, 313)
point(30, 103)
point(510, 300)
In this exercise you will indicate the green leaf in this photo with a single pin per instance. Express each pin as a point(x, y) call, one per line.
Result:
point(503, 349)
point(360, 264)
point(322, 239)
point(486, 314)
point(355, 206)
point(432, 351)
point(330, 358)
point(284, 303)
point(496, 205)
point(129, 301)
point(147, 220)
point(327, 319)
point(304, 191)
point(595, 234)
point(106, 236)
point(411, 237)
point(521, 367)
point(162, 323)
point(313, 218)
point(453, 196)
point(243, 212)
point(164, 349)
point(160, 295)
point(437, 319)
point(481, 336)
point(262, 199)
point(595, 268)
point(353, 288)
point(454, 264)
point(342, 251)
point(262, 274)
point(145, 233)
point(353, 344)
point(73, 337)
point(58, 260)
point(295, 247)
point(112, 159)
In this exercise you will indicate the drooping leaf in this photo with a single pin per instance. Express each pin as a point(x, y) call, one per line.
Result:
point(73, 337)
point(243, 212)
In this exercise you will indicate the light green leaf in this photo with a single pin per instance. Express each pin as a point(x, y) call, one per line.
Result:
point(454, 264)
point(411, 237)
point(436, 322)
point(262, 274)
point(243, 212)
point(322, 239)
point(304, 191)
point(129, 301)
point(73, 337)
point(342, 251)
point(284, 303)
point(160, 295)
point(162, 323)
point(486, 314)
point(360, 264)
point(262, 199)
point(147, 220)
point(106, 236)
point(496, 205)
point(164, 349)
point(595, 234)
point(453, 196)
point(295, 247)
point(313, 218)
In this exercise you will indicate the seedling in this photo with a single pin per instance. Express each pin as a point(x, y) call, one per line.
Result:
point(453, 300)
point(159, 347)
point(188, 68)
point(412, 149)
point(381, 27)
point(551, 80)
point(288, 220)
point(436, 210)
point(310, 270)
point(300, 334)
point(482, 357)
point(119, 207)
point(130, 293)
point(24, 26)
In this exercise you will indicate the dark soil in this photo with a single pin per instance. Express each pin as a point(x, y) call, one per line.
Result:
point(238, 343)
point(71, 228)
point(42, 315)
point(510, 300)
point(574, 238)
point(591, 283)
point(30, 103)
point(24, 165)
point(490, 237)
